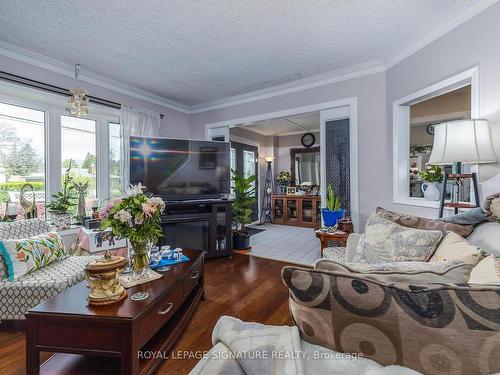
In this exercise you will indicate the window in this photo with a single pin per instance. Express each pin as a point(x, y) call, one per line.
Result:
point(249, 164)
point(38, 139)
point(78, 150)
point(22, 157)
point(115, 181)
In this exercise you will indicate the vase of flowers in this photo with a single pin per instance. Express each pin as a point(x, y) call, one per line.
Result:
point(136, 217)
point(283, 180)
point(432, 175)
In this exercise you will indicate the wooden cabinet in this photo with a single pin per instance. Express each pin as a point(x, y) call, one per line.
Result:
point(298, 210)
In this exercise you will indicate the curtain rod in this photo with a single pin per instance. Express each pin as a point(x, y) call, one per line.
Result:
point(55, 89)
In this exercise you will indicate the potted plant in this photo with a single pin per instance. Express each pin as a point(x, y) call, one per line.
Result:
point(432, 175)
point(137, 218)
point(333, 211)
point(244, 198)
point(283, 180)
point(61, 202)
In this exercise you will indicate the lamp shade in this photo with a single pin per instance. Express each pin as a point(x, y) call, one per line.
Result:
point(466, 141)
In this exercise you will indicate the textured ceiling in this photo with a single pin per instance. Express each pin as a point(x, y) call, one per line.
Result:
point(285, 126)
point(199, 51)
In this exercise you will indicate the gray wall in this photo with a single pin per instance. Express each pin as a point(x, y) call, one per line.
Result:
point(284, 144)
point(474, 43)
point(174, 124)
point(374, 168)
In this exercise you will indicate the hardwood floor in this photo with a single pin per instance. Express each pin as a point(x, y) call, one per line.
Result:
point(246, 287)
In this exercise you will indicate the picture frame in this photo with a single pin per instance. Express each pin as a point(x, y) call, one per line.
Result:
point(291, 190)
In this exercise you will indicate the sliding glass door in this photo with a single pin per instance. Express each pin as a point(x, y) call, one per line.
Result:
point(244, 158)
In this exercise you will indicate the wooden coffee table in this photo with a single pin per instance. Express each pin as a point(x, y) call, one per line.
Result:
point(117, 338)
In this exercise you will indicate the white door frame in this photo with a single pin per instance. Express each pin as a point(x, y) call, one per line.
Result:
point(348, 111)
point(222, 128)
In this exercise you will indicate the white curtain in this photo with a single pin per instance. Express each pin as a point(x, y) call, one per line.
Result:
point(135, 121)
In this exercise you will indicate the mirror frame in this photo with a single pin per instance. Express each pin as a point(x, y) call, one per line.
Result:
point(295, 151)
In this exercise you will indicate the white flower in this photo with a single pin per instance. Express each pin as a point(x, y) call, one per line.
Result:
point(123, 216)
point(134, 190)
point(157, 201)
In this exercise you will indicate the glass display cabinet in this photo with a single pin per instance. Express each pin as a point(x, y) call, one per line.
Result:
point(297, 210)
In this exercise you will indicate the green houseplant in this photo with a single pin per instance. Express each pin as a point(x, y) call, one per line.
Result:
point(333, 211)
point(136, 217)
point(61, 203)
point(244, 198)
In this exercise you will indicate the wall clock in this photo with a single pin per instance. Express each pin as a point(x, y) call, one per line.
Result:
point(430, 129)
point(308, 140)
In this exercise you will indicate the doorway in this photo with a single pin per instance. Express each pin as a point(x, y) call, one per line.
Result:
point(244, 159)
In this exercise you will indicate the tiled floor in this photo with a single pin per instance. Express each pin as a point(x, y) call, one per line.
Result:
point(286, 243)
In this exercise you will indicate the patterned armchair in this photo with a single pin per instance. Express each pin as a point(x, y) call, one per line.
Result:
point(17, 297)
point(433, 328)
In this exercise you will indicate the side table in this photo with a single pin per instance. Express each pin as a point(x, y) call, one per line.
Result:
point(325, 237)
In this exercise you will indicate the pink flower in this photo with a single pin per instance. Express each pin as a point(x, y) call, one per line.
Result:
point(21, 256)
point(148, 209)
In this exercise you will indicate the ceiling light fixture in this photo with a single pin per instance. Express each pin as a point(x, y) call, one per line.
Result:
point(78, 98)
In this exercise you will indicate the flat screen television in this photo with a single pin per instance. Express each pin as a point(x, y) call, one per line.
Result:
point(177, 169)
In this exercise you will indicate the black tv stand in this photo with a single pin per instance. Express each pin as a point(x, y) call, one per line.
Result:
point(200, 224)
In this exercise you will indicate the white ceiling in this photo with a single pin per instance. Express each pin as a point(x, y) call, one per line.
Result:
point(194, 52)
point(286, 126)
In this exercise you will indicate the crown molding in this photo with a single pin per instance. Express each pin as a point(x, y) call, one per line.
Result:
point(437, 29)
point(344, 74)
point(445, 24)
point(55, 66)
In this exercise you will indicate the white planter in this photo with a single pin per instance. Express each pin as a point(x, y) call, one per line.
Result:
point(61, 221)
point(431, 191)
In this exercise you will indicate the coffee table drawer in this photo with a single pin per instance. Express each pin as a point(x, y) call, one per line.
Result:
point(161, 313)
point(193, 277)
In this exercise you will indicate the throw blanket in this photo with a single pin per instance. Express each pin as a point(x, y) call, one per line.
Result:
point(242, 348)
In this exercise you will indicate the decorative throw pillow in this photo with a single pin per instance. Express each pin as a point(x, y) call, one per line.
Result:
point(473, 216)
point(492, 207)
point(385, 242)
point(454, 247)
point(26, 255)
point(486, 236)
point(486, 272)
point(422, 223)
point(454, 272)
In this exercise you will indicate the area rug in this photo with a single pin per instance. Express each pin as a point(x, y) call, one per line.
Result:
point(252, 231)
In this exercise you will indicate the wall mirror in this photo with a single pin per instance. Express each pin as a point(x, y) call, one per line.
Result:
point(453, 105)
point(414, 117)
point(305, 165)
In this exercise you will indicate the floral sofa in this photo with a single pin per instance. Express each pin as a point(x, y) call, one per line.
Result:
point(17, 297)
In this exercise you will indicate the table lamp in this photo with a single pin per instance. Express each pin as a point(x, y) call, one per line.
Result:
point(457, 142)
